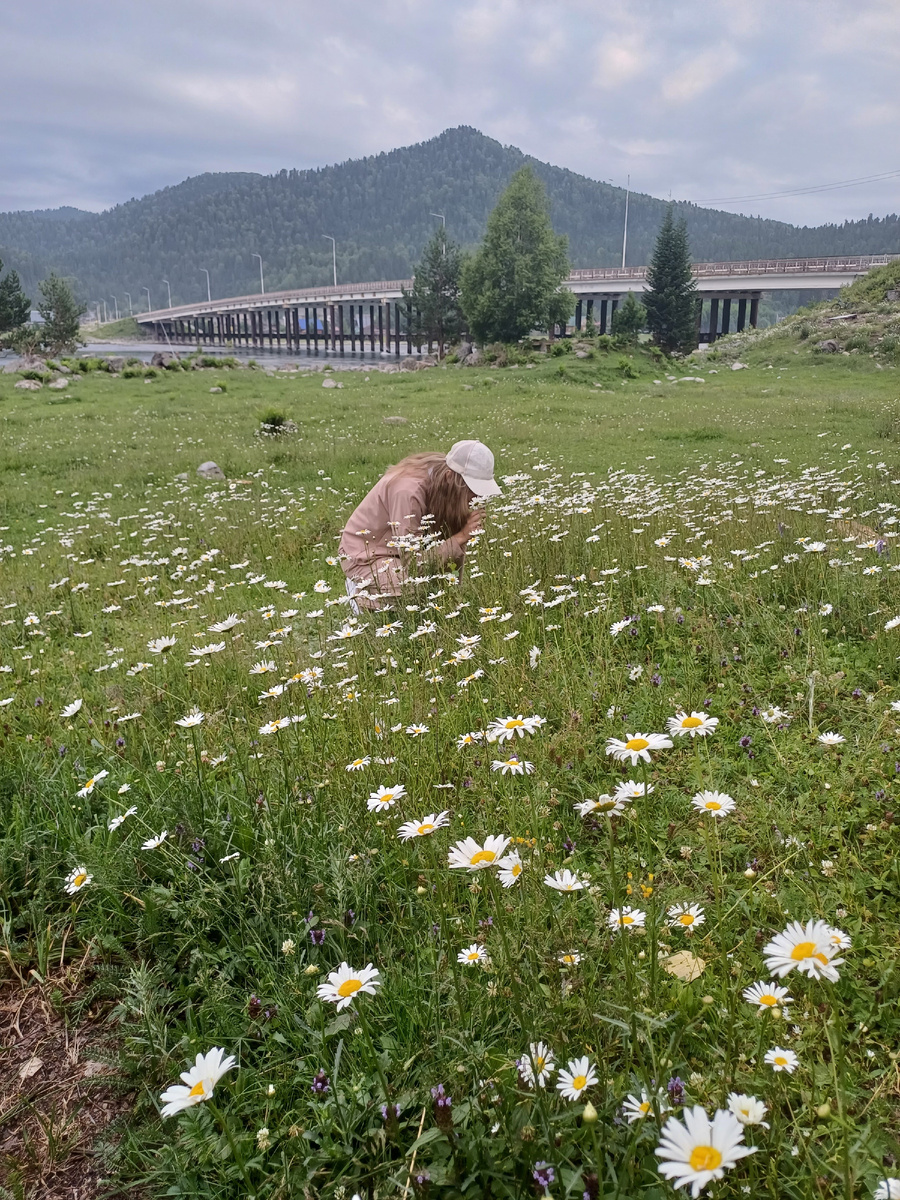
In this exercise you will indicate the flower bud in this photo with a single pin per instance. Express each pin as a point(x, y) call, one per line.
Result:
point(824, 1110)
point(589, 1116)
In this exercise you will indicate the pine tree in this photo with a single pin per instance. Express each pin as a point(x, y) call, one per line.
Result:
point(629, 319)
point(15, 307)
point(512, 285)
point(61, 312)
point(671, 296)
point(435, 294)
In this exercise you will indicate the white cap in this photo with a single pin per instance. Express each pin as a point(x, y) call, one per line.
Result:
point(475, 463)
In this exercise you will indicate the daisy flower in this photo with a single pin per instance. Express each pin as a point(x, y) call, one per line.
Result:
point(414, 829)
point(71, 709)
point(570, 959)
point(513, 766)
point(747, 1109)
point(564, 881)
point(698, 1150)
point(636, 1108)
point(695, 725)
point(194, 717)
point(468, 739)
point(358, 763)
point(685, 916)
point(607, 805)
point(77, 879)
point(782, 1060)
point(717, 804)
point(505, 728)
point(767, 995)
point(537, 1065)
point(831, 739)
point(154, 842)
point(888, 1189)
point(577, 1076)
point(416, 730)
point(809, 948)
point(91, 783)
point(637, 746)
point(472, 955)
point(468, 855)
point(197, 1084)
point(509, 868)
point(115, 822)
point(626, 918)
point(160, 645)
point(229, 623)
point(263, 667)
point(343, 984)
point(630, 789)
point(385, 797)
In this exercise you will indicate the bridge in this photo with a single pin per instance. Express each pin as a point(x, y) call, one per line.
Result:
point(374, 316)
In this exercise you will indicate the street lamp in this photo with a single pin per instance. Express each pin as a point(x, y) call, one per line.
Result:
point(262, 286)
point(208, 292)
point(130, 312)
point(105, 312)
point(625, 230)
point(166, 282)
point(116, 303)
point(147, 290)
point(333, 255)
point(99, 313)
point(442, 217)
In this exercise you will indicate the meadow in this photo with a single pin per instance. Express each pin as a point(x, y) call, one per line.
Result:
point(493, 894)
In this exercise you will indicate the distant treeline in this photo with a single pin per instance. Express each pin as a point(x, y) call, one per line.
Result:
point(378, 209)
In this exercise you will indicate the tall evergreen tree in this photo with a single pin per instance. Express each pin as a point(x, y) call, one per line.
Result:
point(629, 318)
point(61, 312)
point(15, 307)
point(435, 294)
point(513, 283)
point(671, 296)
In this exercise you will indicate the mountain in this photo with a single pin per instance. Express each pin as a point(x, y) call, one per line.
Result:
point(378, 208)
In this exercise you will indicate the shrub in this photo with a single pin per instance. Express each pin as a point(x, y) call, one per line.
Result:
point(132, 372)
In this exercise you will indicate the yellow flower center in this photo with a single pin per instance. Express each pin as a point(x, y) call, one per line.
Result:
point(483, 856)
point(604, 805)
point(803, 950)
point(386, 798)
point(691, 722)
point(627, 920)
point(579, 1082)
point(769, 1000)
point(349, 988)
point(514, 724)
point(79, 878)
point(539, 1062)
point(473, 955)
point(780, 1060)
point(637, 743)
point(705, 1158)
point(687, 918)
point(425, 829)
point(644, 1107)
point(516, 870)
point(90, 783)
point(198, 1089)
point(713, 805)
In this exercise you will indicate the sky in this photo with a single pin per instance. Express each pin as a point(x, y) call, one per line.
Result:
point(714, 101)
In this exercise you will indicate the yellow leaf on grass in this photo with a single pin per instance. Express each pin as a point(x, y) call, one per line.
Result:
point(684, 965)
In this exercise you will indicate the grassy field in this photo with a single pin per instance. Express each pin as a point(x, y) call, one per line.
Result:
point(195, 730)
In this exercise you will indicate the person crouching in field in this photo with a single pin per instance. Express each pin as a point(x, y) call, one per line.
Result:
point(420, 510)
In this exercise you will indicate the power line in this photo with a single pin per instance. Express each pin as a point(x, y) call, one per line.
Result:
point(804, 191)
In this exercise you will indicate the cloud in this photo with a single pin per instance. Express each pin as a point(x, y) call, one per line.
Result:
point(103, 101)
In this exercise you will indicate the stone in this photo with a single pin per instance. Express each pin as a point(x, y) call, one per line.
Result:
point(691, 379)
point(829, 346)
point(215, 391)
point(58, 384)
point(161, 358)
point(473, 358)
point(116, 364)
point(210, 470)
point(182, 477)
point(582, 354)
point(739, 366)
point(468, 387)
point(328, 382)
point(29, 385)
point(893, 295)
point(395, 421)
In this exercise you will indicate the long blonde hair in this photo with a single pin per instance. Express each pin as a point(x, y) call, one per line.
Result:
point(447, 495)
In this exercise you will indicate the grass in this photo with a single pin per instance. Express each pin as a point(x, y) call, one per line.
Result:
point(699, 499)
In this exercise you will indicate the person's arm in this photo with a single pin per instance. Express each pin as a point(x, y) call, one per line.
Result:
point(405, 513)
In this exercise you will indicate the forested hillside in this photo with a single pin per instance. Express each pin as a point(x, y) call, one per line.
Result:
point(378, 209)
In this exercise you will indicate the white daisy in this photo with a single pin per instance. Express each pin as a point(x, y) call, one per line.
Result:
point(693, 725)
point(637, 746)
point(564, 881)
point(767, 995)
point(537, 1065)
point(472, 955)
point(782, 1060)
point(385, 797)
point(468, 855)
point(343, 984)
point(626, 918)
point(510, 869)
point(423, 828)
point(77, 879)
point(699, 1150)
point(578, 1075)
point(198, 1082)
point(717, 804)
point(809, 948)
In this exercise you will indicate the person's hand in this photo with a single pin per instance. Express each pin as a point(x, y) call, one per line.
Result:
point(474, 525)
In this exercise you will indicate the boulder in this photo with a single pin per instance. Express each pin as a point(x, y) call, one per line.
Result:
point(116, 364)
point(582, 354)
point(829, 346)
point(472, 359)
point(58, 384)
point(691, 379)
point(29, 385)
point(739, 366)
point(328, 382)
point(210, 470)
point(161, 358)
point(395, 420)
point(215, 391)
point(182, 477)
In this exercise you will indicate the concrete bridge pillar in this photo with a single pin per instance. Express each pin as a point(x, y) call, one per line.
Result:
point(726, 316)
point(742, 314)
point(578, 314)
point(754, 311)
point(713, 319)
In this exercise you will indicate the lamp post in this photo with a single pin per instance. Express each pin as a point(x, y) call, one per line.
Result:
point(147, 290)
point(442, 217)
point(99, 313)
point(116, 303)
point(333, 255)
point(262, 286)
point(208, 291)
point(443, 221)
point(105, 312)
point(625, 231)
point(130, 312)
point(166, 282)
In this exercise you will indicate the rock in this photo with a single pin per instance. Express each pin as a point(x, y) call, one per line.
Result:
point(182, 477)
point(328, 382)
point(395, 421)
point(161, 358)
point(893, 295)
point(215, 391)
point(417, 364)
point(467, 387)
point(691, 379)
point(829, 346)
point(472, 359)
point(29, 385)
point(58, 384)
point(116, 364)
point(210, 470)
point(582, 354)
point(739, 366)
